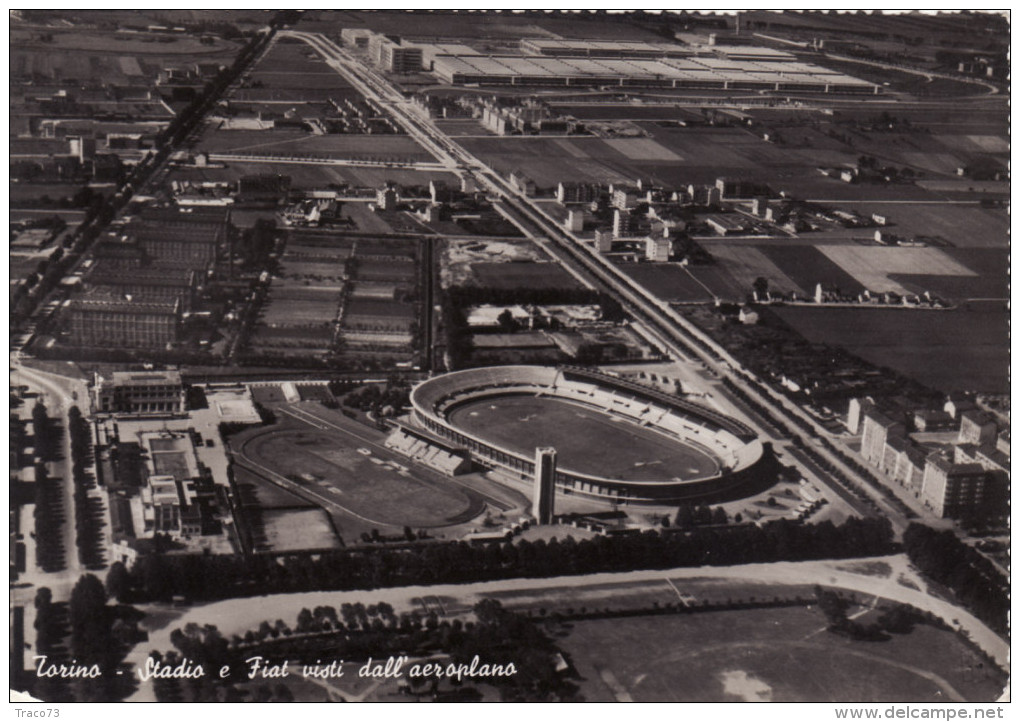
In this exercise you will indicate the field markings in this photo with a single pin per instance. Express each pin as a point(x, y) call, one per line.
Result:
point(619, 691)
point(350, 432)
point(681, 597)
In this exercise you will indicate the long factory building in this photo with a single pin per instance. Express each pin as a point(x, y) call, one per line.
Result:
point(627, 64)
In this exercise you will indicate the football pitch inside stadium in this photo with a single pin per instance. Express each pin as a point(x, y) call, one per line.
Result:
point(587, 440)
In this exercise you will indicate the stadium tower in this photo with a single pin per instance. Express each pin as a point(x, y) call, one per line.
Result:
point(545, 484)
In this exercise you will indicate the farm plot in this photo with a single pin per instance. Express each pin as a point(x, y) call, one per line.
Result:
point(808, 267)
point(669, 281)
point(967, 348)
point(872, 265)
point(295, 142)
point(747, 263)
point(992, 280)
point(644, 149)
point(548, 161)
point(965, 226)
point(521, 275)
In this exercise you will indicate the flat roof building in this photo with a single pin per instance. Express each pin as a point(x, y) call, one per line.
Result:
point(141, 392)
point(953, 490)
point(110, 322)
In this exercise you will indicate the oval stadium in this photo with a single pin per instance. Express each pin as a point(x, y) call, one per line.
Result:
point(615, 440)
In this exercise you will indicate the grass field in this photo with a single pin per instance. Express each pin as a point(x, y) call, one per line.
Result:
point(668, 281)
point(522, 275)
point(330, 464)
point(295, 141)
point(967, 348)
point(774, 655)
point(314, 176)
point(587, 441)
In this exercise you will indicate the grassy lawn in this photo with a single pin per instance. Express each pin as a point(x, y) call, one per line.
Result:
point(331, 465)
point(772, 654)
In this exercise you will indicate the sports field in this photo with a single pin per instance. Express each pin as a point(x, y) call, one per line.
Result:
point(778, 655)
point(586, 441)
point(335, 467)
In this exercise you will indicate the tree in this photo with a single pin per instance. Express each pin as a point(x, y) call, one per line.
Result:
point(117, 581)
point(684, 517)
point(761, 287)
point(507, 322)
point(719, 516)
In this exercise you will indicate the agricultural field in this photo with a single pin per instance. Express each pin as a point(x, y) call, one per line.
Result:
point(108, 58)
point(871, 265)
point(747, 263)
point(966, 348)
point(395, 148)
point(521, 275)
point(306, 177)
point(669, 281)
point(778, 655)
point(963, 226)
point(807, 266)
point(474, 27)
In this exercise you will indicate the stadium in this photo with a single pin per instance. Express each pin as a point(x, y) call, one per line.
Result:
point(616, 440)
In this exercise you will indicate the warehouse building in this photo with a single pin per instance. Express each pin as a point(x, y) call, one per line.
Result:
point(774, 73)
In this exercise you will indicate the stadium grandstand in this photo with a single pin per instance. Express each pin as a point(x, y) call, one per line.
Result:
point(617, 440)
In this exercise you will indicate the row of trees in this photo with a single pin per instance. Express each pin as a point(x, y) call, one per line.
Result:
point(976, 582)
point(50, 631)
point(50, 555)
point(498, 636)
point(689, 516)
point(88, 510)
point(215, 577)
point(47, 434)
point(50, 514)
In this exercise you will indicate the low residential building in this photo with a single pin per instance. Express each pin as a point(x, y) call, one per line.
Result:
point(728, 225)
point(933, 420)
